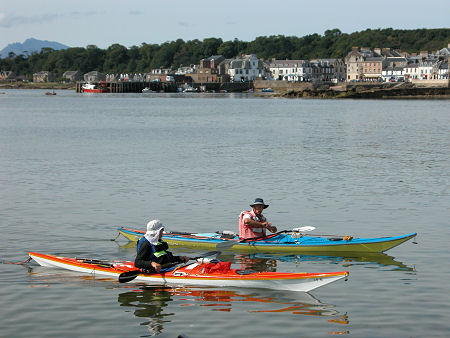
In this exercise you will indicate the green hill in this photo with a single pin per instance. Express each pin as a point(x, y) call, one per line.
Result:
point(141, 59)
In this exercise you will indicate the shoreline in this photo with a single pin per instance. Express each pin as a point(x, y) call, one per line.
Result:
point(43, 85)
point(402, 91)
point(405, 91)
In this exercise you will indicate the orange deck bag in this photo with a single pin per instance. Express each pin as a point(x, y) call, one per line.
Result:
point(220, 267)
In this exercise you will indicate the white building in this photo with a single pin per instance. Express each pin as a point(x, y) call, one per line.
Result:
point(411, 71)
point(246, 68)
point(291, 70)
point(393, 73)
point(425, 69)
point(443, 71)
point(186, 70)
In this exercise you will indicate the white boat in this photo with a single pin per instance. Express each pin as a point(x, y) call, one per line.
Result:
point(94, 88)
point(189, 90)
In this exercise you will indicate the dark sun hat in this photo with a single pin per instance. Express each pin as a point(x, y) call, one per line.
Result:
point(259, 201)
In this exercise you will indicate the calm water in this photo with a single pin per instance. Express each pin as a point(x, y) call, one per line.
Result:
point(73, 167)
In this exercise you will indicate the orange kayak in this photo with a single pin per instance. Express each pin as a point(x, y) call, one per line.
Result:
point(217, 274)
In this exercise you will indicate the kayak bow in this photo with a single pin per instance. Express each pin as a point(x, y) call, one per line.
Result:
point(197, 273)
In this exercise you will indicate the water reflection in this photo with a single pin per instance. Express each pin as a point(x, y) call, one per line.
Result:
point(148, 303)
point(151, 303)
point(268, 262)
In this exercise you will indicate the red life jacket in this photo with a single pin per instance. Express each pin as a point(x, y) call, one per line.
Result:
point(250, 231)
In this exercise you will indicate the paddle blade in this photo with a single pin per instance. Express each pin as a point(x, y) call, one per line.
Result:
point(225, 244)
point(128, 276)
point(305, 228)
point(209, 254)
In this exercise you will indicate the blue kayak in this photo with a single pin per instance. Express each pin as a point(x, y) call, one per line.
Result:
point(282, 242)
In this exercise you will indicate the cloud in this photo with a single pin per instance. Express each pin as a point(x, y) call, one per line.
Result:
point(11, 21)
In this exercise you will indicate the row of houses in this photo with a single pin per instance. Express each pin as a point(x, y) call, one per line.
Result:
point(361, 64)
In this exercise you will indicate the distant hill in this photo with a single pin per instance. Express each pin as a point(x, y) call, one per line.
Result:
point(30, 46)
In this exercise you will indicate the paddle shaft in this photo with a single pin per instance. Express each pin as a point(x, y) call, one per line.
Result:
point(128, 276)
point(229, 243)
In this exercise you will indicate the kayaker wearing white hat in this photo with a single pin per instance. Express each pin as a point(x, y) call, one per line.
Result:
point(152, 252)
point(253, 223)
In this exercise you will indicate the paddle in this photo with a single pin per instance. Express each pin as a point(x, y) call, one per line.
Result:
point(128, 276)
point(229, 243)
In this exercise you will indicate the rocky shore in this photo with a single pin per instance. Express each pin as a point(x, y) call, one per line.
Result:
point(383, 91)
point(40, 85)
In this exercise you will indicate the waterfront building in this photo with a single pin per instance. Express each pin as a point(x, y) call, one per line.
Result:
point(393, 73)
point(72, 75)
point(425, 69)
point(291, 70)
point(371, 68)
point(7, 75)
point(338, 69)
point(44, 76)
point(321, 71)
point(246, 68)
point(443, 71)
point(445, 51)
point(354, 61)
point(411, 71)
point(94, 76)
point(183, 70)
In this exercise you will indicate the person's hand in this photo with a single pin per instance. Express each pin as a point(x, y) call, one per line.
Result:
point(156, 266)
point(272, 228)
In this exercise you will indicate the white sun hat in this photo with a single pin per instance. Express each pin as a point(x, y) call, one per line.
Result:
point(153, 229)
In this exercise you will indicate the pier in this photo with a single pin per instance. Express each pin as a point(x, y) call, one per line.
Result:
point(134, 87)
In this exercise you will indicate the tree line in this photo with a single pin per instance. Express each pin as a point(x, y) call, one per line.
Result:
point(141, 59)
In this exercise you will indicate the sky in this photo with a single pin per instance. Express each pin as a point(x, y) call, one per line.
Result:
point(130, 23)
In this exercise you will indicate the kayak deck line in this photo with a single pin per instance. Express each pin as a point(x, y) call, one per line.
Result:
point(195, 274)
point(281, 243)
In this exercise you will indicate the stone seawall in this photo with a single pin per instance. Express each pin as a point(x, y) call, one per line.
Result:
point(279, 86)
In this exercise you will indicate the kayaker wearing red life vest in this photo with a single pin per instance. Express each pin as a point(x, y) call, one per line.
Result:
point(253, 223)
point(152, 252)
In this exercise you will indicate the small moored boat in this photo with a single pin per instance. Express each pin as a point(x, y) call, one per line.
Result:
point(288, 241)
point(94, 88)
point(203, 273)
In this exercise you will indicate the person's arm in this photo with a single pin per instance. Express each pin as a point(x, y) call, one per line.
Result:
point(267, 225)
point(180, 259)
point(140, 261)
point(170, 258)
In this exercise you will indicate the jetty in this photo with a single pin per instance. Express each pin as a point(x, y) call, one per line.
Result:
point(134, 87)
